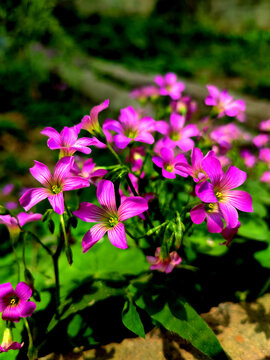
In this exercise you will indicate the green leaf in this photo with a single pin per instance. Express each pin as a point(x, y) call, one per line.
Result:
point(178, 316)
point(131, 318)
point(75, 325)
point(73, 305)
point(254, 228)
point(263, 257)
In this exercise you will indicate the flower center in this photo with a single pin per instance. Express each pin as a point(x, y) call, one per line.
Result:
point(211, 207)
point(174, 136)
point(168, 167)
point(13, 300)
point(56, 189)
point(130, 133)
point(219, 196)
point(113, 221)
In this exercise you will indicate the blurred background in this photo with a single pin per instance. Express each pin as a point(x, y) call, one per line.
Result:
point(59, 58)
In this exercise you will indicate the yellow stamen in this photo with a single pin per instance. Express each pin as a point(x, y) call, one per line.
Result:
point(113, 221)
point(218, 195)
point(56, 189)
point(168, 167)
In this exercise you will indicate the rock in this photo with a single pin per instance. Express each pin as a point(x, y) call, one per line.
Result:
point(243, 330)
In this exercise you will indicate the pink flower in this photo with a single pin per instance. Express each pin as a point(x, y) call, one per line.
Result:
point(249, 158)
point(169, 85)
point(184, 106)
point(195, 169)
point(219, 190)
point(176, 134)
point(264, 155)
point(23, 218)
point(167, 162)
point(13, 303)
point(91, 123)
point(224, 104)
point(164, 264)
point(131, 127)
point(8, 343)
point(224, 135)
point(87, 170)
point(261, 140)
point(7, 189)
point(67, 140)
point(229, 233)
point(211, 212)
point(53, 185)
point(136, 158)
point(265, 125)
point(145, 92)
point(108, 216)
point(265, 177)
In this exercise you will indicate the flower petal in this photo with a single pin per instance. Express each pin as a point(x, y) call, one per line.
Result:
point(233, 178)
point(132, 206)
point(97, 109)
point(11, 313)
point(158, 161)
point(62, 169)
point(33, 196)
point(212, 167)
point(121, 141)
point(241, 200)
point(90, 212)
point(145, 137)
point(198, 214)
point(52, 133)
point(23, 291)
point(205, 192)
point(229, 214)
point(106, 195)
point(41, 173)
point(24, 218)
point(117, 236)
point(5, 289)
point(74, 183)
point(214, 222)
point(57, 203)
point(167, 154)
point(28, 308)
point(93, 236)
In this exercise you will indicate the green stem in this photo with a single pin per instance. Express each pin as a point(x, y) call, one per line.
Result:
point(15, 256)
point(64, 230)
point(31, 349)
point(114, 153)
point(40, 242)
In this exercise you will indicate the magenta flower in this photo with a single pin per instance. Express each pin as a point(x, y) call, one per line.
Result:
point(212, 214)
point(229, 233)
point(53, 185)
point(249, 158)
point(169, 85)
point(67, 140)
point(224, 103)
point(195, 169)
point(91, 123)
point(87, 170)
point(13, 303)
point(176, 134)
point(219, 190)
point(7, 189)
point(264, 155)
point(265, 125)
point(184, 106)
point(145, 92)
point(265, 177)
point(108, 217)
point(164, 264)
point(224, 135)
point(11, 205)
point(136, 157)
point(131, 127)
point(23, 218)
point(167, 162)
point(261, 140)
point(8, 343)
